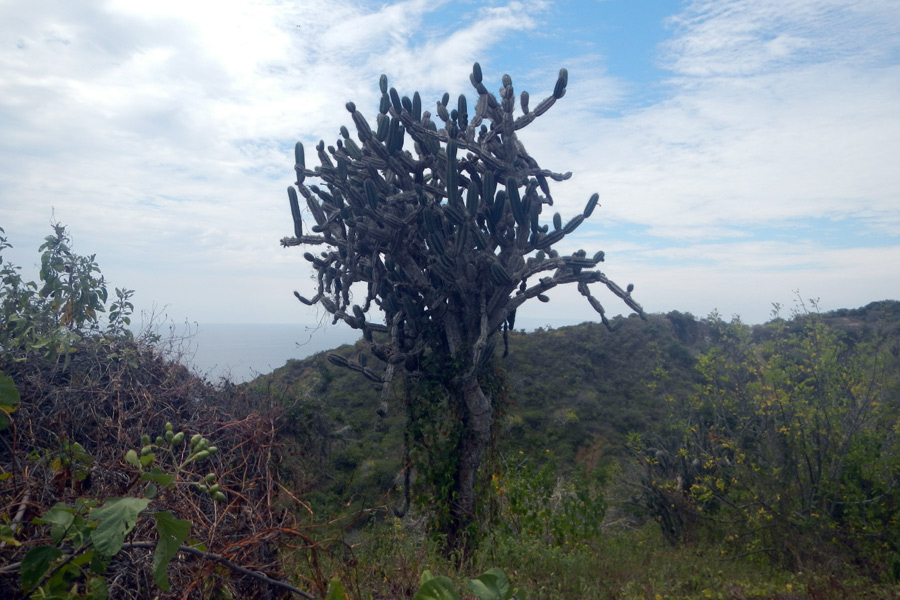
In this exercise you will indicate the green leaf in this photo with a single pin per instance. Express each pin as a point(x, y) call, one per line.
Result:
point(60, 517)
point(97, 589)
point(9, 400)
point(336, 590)
point(131, 457)
point(7, 536)
point(157, 476)
point(437, 588)
point(500, 582)
point(36, 563)
point(117, 518)
point(172, 533)
point(485, 587)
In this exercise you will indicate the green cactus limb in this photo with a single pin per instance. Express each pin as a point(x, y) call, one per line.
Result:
point(591, 205)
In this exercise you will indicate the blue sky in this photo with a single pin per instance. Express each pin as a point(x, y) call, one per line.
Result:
point(742, 149)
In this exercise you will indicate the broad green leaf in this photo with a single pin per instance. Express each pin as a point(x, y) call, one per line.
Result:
point(485, 587)
point(117, 518)
point(60, 517)
point(157, 476)
point(172, 533)
point(438, 588)
point(97, 589)
point(36, 563)
point(491, 585)
point(336, 591)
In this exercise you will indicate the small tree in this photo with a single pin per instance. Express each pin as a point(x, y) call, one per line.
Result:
point(447, 242)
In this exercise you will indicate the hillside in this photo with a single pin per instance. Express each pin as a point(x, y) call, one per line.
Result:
point(577, 391)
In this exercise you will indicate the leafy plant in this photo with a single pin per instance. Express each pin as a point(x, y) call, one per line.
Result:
point(788, 448)
point(536, 500)
point(490, 585)
point(50, 319)
point(85, 535)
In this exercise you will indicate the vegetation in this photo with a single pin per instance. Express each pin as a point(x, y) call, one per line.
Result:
point(670, 458)
point(447, 248)
point(104, 459)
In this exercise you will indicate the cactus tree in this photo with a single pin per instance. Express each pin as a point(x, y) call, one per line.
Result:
point(432, 235)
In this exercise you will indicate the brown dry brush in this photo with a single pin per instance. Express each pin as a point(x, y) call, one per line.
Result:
point(105, 400)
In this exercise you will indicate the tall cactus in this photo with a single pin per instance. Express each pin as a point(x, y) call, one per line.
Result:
point(446, 235)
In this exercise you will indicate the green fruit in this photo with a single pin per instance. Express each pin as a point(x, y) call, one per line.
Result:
point(210, 477)
point(202, 455)
point(212, 449)
point(145, 440)
point(168, 427)
point(203, 445)
point(219, 497)
point(159, 441)
point(195, 439)
point(178, 438)
point(169, 435)
point(214, 488)
point(146, 450)
point(202, 488)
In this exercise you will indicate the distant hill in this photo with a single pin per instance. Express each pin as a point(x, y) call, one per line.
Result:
point(577, 391)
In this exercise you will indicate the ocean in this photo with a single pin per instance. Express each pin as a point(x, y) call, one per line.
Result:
point(241, 352)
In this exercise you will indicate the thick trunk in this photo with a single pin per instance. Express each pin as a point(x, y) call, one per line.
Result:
point(477, 421)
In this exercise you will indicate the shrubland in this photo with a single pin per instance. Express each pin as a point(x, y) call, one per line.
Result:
point(670, 458)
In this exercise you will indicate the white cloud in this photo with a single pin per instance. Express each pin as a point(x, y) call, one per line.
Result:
point(161, 133)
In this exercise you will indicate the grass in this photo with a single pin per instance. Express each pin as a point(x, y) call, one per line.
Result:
point(385, 560)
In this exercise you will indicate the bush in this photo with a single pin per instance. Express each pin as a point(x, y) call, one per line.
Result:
point(789, 448)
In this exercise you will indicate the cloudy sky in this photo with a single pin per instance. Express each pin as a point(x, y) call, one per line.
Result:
point(742, 149)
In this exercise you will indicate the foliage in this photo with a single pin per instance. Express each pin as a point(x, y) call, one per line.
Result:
point(9, 400)
point(78, 509)
point(447, 248)
point(50, 319)
point(788, 448)
point(536, 500)
point(85, 537)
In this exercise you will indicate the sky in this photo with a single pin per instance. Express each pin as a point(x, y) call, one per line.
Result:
point(746, 152)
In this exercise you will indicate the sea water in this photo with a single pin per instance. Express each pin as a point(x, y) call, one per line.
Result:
point(241, 352)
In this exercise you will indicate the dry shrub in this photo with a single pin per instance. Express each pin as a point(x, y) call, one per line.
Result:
point(111, 393)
